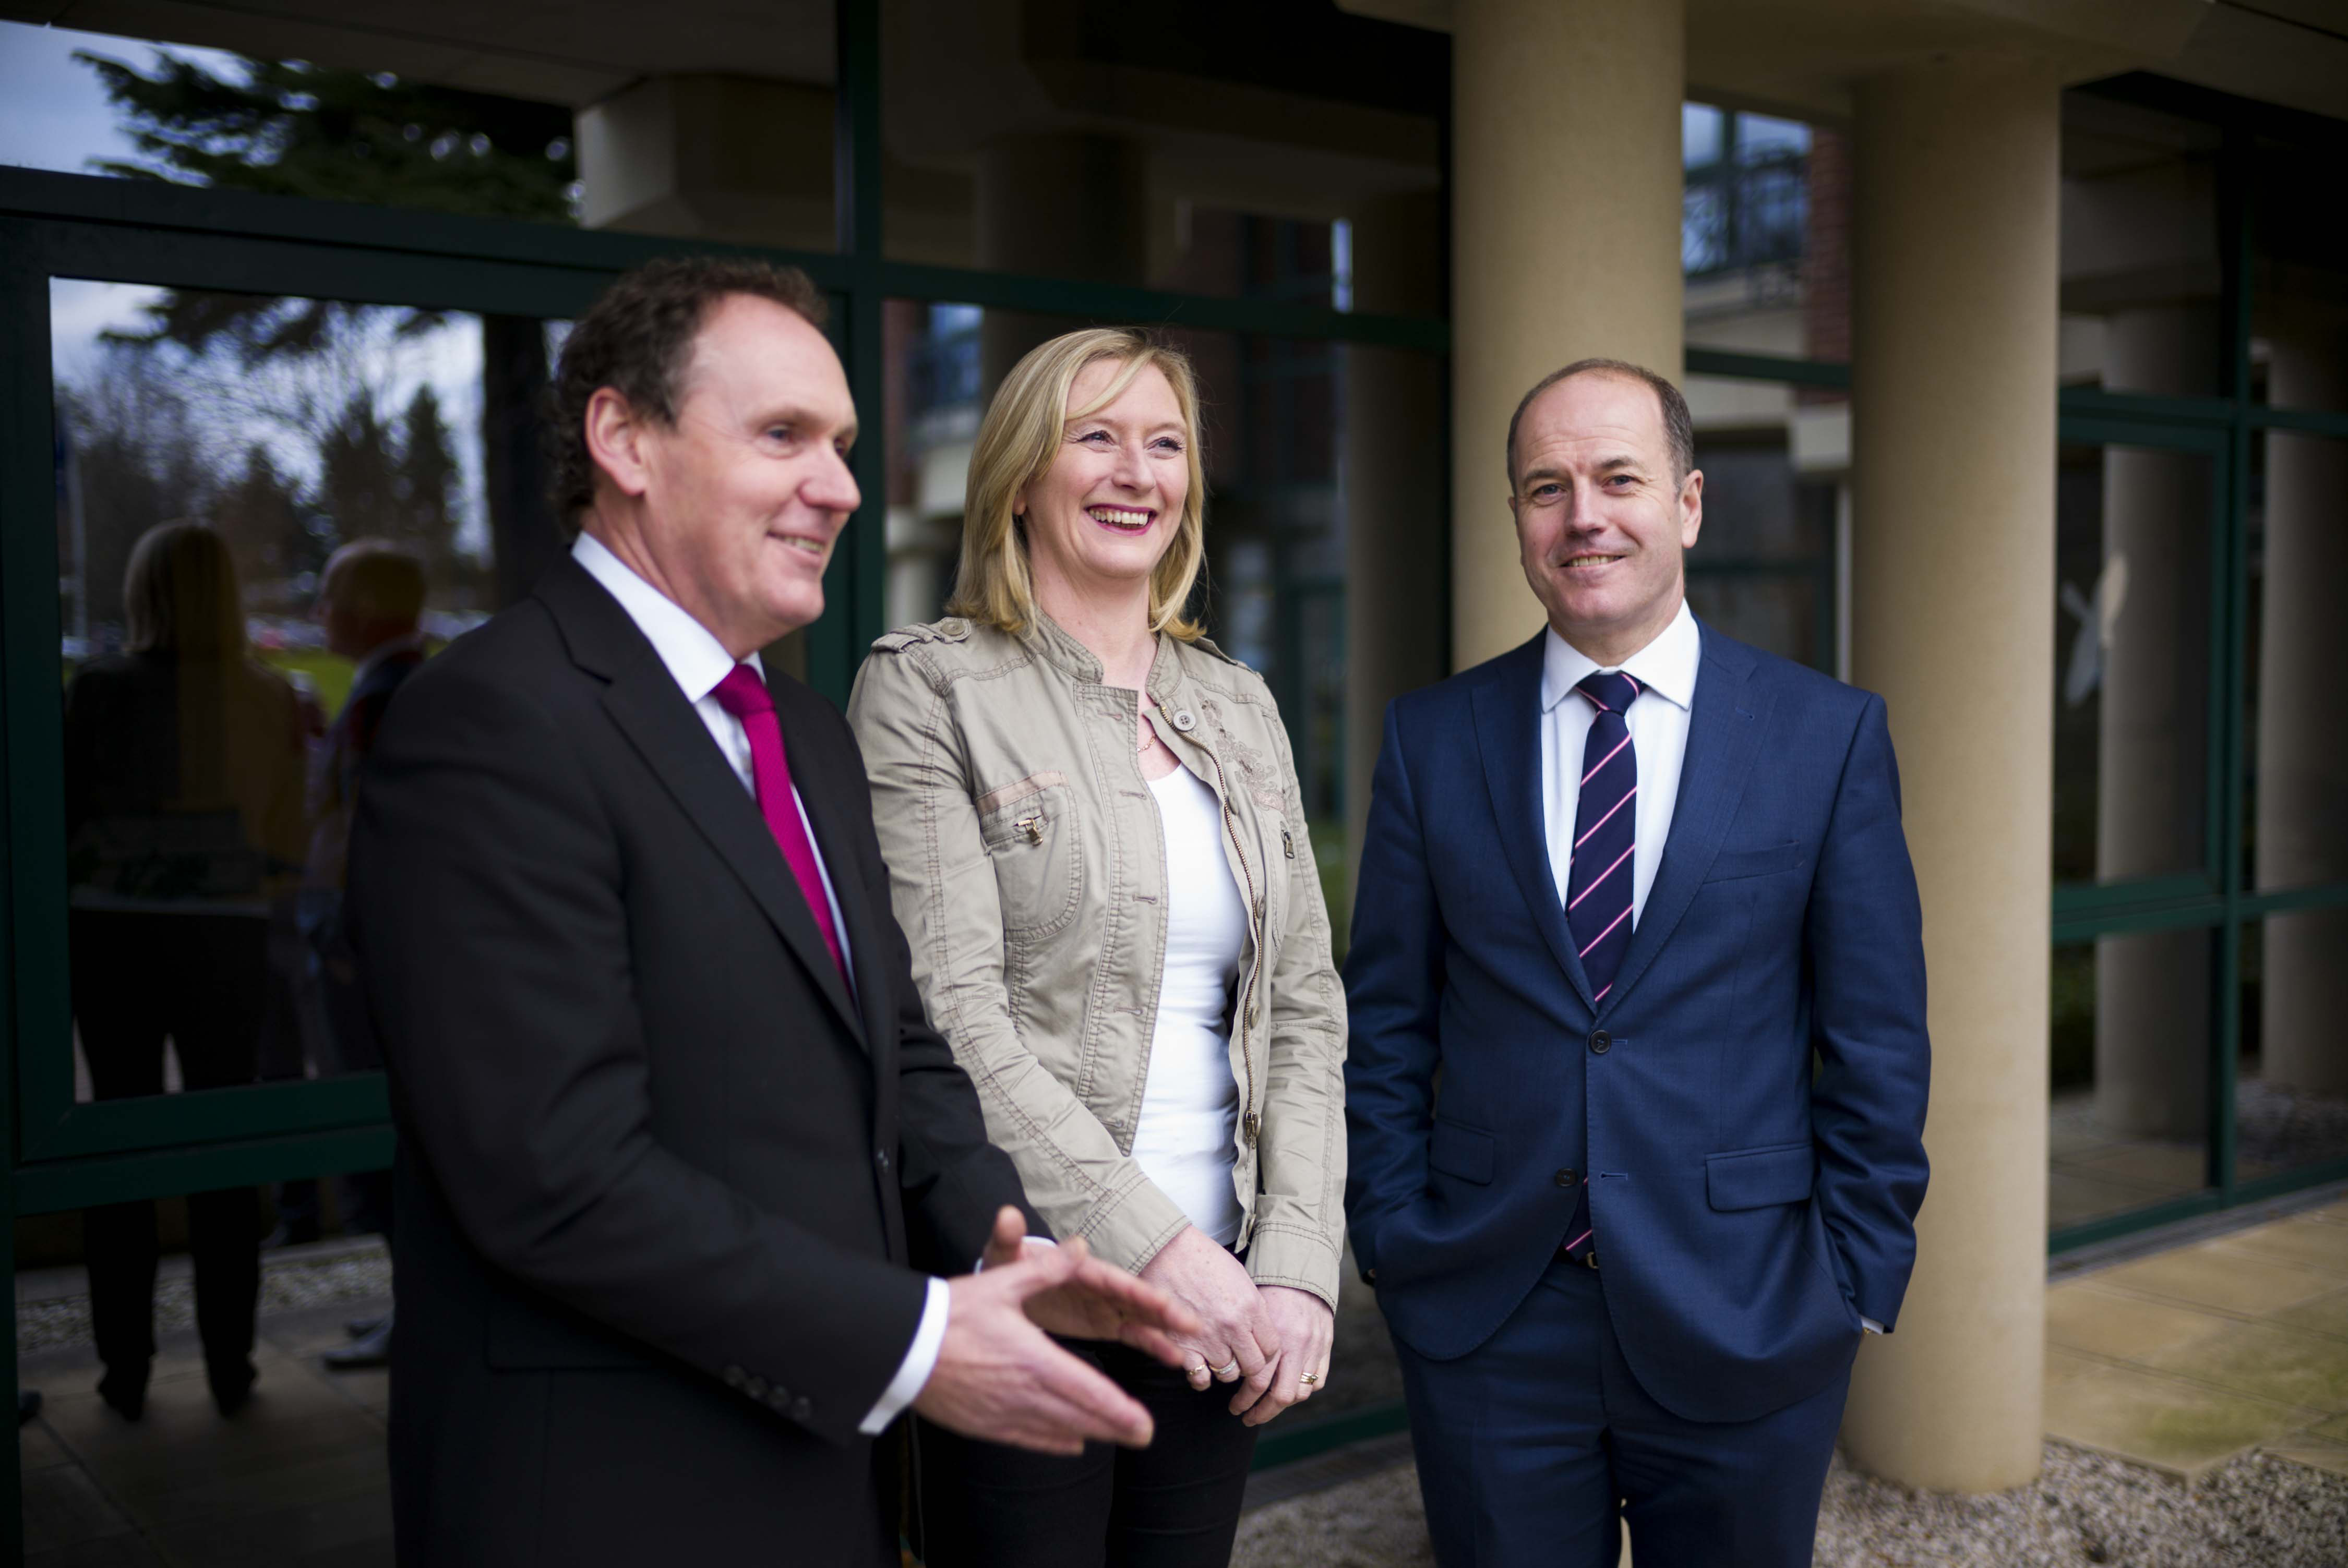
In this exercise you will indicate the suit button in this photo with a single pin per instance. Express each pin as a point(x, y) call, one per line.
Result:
point(1369, 1276)
point(1600, 1041)
point(778, 1400)
point(1566, 1178)
point(734, 1377)
point(755, 1386)
point(881, 1158)
point(802, 1409)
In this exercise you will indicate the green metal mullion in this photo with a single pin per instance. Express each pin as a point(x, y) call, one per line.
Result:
point(2063, 930)
point(244, 1110)
point(57, 1185)
point(132, 206)
point(854, 586)
point(2299, 421)
point(23, 307)
point(33, 722)
point(2254, 905)
point(2192, 1206)
point(1120, 303)
point(2230, 653)
point(1287, 1444)
point(2217, 412)
point(1829, 375)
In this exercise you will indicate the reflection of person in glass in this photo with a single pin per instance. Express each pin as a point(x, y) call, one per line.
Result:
point(184, 822)
point(370, 599)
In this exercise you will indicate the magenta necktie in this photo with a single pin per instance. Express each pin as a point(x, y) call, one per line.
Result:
point(742, 694)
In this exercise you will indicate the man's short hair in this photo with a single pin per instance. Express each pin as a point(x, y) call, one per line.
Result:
point(1679, 427)
point(636, 339)
point(376, 580)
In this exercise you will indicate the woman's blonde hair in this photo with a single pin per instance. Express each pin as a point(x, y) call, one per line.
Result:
point(180, 594)
point(1017, 444)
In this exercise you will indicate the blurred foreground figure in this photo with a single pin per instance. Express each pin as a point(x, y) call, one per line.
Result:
point(184, 824)
point(680, 1156)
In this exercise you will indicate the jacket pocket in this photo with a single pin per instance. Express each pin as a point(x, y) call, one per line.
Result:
point(1461, 1152)
point(1031, 837)
point(522, 1336)
point(1758, 1178)
point(1735, 864)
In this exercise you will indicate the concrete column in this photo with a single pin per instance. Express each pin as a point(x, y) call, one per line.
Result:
point(1393, 481)
point(2302, 756)
point(1565, 243)
point(2152, 992)
point(1954, 370)
point(1058, 206)
point(732, 158)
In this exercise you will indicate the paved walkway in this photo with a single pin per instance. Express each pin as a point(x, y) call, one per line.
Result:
point(2223, 1363)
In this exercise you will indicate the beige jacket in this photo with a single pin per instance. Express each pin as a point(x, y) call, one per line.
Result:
point(1029, 871)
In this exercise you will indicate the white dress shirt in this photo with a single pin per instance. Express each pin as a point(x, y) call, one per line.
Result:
point(1658, 721)
point(700, 661)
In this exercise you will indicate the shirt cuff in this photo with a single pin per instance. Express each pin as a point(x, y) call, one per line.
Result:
point(1871, 1325)
point(980, 1266)
point(921, 1361)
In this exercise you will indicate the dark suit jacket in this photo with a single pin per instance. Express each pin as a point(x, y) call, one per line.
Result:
point(664, 1182)
point(1747, 1211)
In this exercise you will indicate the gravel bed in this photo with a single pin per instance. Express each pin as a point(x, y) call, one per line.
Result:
point(2257, 1511)
point(287, 1285)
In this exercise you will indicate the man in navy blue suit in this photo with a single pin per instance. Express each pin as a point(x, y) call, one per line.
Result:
point(1637, 1078)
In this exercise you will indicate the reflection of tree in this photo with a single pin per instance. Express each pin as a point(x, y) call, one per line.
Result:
point(267, 532)
point(287, 128)
point(140, 457)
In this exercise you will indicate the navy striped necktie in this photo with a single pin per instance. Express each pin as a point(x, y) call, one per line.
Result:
point(1598, 883)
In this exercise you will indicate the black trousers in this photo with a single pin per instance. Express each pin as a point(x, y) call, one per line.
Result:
point(1174, 1505)
point(202, 980)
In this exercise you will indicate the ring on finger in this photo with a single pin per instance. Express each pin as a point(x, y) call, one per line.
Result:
point(1309, 1379)
point(1198, 1371)
point(1227, 1373)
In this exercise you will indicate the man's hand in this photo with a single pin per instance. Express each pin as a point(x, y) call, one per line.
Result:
point(1099, 1302)
point(1000, 1379)
point(1305, 1326)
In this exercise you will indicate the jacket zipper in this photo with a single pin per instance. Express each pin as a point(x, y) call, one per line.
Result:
point(1255, 904)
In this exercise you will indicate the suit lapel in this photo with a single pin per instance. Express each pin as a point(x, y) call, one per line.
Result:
point(1507, 731)
point(643, 700)
point(1724, 730)
point(830, 822)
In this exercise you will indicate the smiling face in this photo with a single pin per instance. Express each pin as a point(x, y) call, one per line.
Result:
point(732, 511)
point(1110, 506)
point(1601, 519)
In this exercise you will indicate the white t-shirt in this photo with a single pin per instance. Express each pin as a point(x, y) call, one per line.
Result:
point(1190, 1103)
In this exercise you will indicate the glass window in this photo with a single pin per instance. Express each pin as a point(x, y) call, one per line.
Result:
point(2296, 834)
point(270, 510)
point(1763, 569)
point(2129, 1050)
point(2132, 660)
point(1765, 235)
point(2140, 250)
point(2291, 1095)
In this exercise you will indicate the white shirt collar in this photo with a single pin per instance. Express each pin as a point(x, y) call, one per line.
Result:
point(1665, 667)
point(690, 649)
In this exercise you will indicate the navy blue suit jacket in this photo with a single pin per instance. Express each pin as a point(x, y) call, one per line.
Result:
point(1751, 1205)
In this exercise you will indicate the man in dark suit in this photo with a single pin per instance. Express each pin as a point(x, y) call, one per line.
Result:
point(1638, 1069)
point(681, 1158)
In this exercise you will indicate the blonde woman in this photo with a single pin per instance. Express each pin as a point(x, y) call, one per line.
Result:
point(1098, 854)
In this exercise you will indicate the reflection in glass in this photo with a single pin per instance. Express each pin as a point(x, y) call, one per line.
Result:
point(2132, 659)
point(216, 670)
point(2297, 832)
point(1774, 469)
point(2129, 1124)
point(2291, 1094)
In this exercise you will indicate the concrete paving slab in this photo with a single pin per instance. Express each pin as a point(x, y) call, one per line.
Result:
point(64, 1507)
point(2285, 1365)
point(2163, 1423)
point(2330, 1456)
point(2310, 1244)
point(2062, 1365)
point(2325, 1315)
point(110, 1551)
point(2199, 1276)
point(2075, 1197)
point(2080, 1317)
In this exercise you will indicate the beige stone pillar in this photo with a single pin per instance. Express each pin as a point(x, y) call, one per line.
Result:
point(1057, 205)
point(2302, 756)
point(1392, 454)
point(1565, 194)
point(2152, 992)
point(1953, 369)
point(732, 158)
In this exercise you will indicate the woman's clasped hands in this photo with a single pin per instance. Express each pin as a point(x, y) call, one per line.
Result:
point(1271, 1340)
